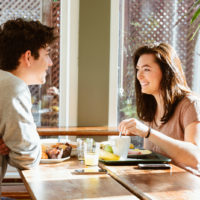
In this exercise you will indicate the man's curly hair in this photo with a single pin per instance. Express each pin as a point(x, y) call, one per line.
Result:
point(19, 35)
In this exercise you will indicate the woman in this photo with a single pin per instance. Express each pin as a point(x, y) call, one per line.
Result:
point(169, 110)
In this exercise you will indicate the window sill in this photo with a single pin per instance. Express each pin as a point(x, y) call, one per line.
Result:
point(78, 131)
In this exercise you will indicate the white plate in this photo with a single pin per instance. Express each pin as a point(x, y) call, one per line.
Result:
point(48, 161)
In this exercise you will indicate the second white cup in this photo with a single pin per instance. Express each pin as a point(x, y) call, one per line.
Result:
point(121, 146)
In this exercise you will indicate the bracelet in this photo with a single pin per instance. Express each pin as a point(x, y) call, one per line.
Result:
point(149, 132)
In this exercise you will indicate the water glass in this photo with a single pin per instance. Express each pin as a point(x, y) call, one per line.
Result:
point(80, 148)
point(91, 153)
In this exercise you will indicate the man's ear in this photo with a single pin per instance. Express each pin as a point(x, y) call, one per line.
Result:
point(27, 58)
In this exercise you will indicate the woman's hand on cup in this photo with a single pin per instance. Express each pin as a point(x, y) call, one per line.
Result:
point(133, 126)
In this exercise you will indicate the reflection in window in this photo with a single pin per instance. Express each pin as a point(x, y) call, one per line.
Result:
point(46, 97)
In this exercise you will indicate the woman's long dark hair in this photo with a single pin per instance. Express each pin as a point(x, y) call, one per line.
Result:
point(173, 84)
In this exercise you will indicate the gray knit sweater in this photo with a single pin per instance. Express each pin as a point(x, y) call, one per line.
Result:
point(17, 126)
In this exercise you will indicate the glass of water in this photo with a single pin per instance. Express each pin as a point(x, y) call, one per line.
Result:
point(91, 153)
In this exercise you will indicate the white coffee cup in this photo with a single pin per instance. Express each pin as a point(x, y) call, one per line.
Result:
point(120, 146)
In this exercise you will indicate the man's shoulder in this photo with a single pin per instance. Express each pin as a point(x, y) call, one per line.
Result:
point(10, 83)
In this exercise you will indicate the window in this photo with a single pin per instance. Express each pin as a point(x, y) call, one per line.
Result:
point(45, 106)
point(142, 22)
point(53, 109)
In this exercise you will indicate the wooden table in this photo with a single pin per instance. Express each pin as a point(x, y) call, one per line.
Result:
point(55, 181)
point(173, 184)
point(78, 131)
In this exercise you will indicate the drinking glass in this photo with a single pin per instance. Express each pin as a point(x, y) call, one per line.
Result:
point(80, 148)
point(91, 153)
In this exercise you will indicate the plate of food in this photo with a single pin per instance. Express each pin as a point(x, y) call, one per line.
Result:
point(55, 152)
point(138, 153)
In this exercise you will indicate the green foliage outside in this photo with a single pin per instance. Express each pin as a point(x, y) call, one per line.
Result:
point(196, 7)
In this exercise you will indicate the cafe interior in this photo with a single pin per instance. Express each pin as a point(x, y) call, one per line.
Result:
point(92, 91)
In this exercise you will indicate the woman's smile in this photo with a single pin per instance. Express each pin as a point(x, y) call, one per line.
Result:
point(144, 84)
point(149, 74)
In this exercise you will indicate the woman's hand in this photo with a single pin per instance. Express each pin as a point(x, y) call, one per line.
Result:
point(4, 150)
point(133, 126)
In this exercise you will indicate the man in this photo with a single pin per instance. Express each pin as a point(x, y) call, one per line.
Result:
point(24, 60)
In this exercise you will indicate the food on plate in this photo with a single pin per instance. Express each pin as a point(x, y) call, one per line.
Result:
point(44, 148)
point(139, 152)
point(44, 155)
point(108, 148)
point(132, 146)
point(56, 151)
point(67, 151)
point(105, 155)
point(67, 148)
